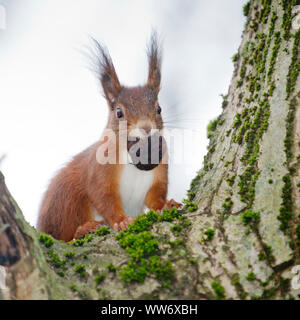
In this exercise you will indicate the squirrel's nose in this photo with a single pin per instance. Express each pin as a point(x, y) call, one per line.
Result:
point(147, 129)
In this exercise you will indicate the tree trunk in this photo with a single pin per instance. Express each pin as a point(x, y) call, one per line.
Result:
point(240, 240)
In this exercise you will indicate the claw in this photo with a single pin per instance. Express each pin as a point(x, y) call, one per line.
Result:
point(123, 225)
point(115, 227)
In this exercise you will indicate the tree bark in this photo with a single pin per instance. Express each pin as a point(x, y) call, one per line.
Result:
point(244, 237)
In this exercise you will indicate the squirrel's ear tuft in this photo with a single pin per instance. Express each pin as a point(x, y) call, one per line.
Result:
point(107, 74)
point(154, 60)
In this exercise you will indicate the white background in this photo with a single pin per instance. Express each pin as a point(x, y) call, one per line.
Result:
point(51, 105)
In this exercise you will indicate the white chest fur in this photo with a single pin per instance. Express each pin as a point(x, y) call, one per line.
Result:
point(134, 186)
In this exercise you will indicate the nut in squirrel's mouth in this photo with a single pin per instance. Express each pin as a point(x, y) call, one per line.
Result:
point(147, 153)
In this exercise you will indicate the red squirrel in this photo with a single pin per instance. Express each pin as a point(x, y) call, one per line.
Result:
point(85, 193)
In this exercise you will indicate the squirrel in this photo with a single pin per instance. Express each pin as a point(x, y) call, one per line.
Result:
point(86, 194)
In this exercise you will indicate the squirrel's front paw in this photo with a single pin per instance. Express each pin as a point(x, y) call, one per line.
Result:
point(88, 227)
point(172, 204)
point(123, 225)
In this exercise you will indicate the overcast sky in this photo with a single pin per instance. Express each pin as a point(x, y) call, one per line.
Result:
point(51, 104)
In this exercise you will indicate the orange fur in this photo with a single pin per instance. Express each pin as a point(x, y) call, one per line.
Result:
point(156, 196)
point(67, 208)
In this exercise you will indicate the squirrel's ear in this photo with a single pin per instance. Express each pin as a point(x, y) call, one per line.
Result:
point(154, 60)
point(107, 74)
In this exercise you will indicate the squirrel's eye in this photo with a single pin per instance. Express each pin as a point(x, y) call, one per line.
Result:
point(119, 113)
point(159, 110)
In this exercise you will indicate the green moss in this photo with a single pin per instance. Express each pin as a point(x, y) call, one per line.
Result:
point(275, 51)
point(271, 89)
point(60, 273)
point(69, 254)
point(294, 67)
point(102, 231)
point(252, 123)
point(134, 271)
point(237, 120)
point(268, 294)
point(225, 101)
point(265, 11)
point(254, 25)
point(176, 243)
point(144, 221)
point(251, 218)
point(208, 166)
point(176, 228)
point(111, 268)
point(186, 223)
point(85, 295)
point(55, 260)
point(143, 248)
point(251, 276)
point(247, 185)
point(287, 6)
point(46, 240)
point(208, 235)
point(161, 269)
point(80, 268)
point(246, 9)
point(258, 56)
point(192, 260)
point(252, 127)
point(137, 271)
point(227, 205)
point(235, 280)
point(190, 205)
point(230, 180)
point(211, 127)
point(212, 148)
point(193, 186)
point(285, 285)
point(264, 283)
point(243, 71)
point(170, 215)
point(73, 287)
point(268, 253)
point(261, 256)
point(218, 290)
point(248, 49)
point(99, 278)
point(235, 57)
point(272, 24)
point(239, 83)
point(80, 242)
point(286, 209)
point(227, 163)
point(254, 131)
point(139, 245)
